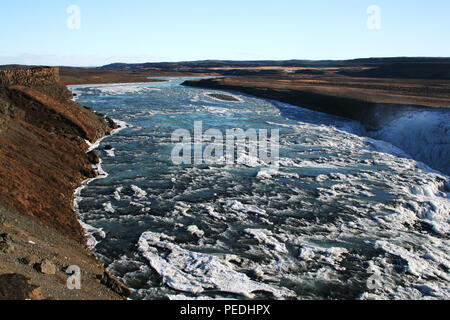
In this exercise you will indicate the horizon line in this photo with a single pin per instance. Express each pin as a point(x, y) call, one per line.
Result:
point(227, 60)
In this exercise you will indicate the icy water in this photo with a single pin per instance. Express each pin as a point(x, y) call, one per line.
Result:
point(344, 217)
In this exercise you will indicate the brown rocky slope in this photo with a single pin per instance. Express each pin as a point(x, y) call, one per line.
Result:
point(43, 160)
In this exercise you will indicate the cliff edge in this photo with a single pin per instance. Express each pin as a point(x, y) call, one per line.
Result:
point(43, 160)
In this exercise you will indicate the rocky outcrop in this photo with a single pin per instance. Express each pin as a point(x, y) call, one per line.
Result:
point(4, 114)
point(45, 79)
point(18, 287)
point(115, 285)
point(30, 77)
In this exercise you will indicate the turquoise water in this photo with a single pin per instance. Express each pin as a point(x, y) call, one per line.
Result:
point(344, 217)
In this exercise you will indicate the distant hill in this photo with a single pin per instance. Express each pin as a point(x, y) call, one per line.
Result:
point(366, 62)
point(401, 67)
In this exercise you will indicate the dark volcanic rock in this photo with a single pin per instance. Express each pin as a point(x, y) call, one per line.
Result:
point(111, 282)
point(111, 123)
point(109, 147)
point(93, 157)
point(18, 287)
point(5, 245)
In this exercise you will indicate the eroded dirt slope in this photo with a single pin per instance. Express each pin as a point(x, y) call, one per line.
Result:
point(43, 160)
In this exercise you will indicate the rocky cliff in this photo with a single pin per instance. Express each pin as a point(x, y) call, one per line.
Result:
point(31, 77)
point(43, 160)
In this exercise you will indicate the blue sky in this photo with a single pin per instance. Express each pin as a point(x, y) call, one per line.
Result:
point(36, 32)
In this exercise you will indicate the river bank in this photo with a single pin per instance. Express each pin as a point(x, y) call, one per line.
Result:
point(370, 101)
point(43, 160)
point(411, 114)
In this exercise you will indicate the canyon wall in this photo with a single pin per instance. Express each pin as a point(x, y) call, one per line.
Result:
point(43, 160)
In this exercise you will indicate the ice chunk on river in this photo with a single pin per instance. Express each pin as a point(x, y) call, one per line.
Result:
point(195, 272)
point(138, 192)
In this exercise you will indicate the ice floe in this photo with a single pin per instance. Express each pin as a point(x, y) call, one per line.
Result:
point(138, 192)
point(195, 272)
point(266, 237)
point(239, 206)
